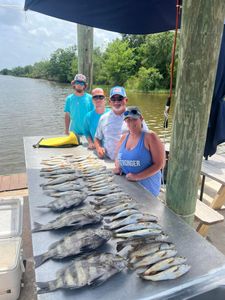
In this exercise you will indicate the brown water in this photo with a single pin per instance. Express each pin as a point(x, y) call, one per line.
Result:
point(32, 107)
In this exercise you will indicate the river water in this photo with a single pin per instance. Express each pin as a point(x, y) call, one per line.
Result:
point(34, 107)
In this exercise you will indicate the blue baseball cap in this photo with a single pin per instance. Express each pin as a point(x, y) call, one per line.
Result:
point(118, 90)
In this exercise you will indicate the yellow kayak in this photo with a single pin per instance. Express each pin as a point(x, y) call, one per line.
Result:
point(62, 141)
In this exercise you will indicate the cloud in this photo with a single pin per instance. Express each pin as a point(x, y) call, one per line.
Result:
point(28, 37)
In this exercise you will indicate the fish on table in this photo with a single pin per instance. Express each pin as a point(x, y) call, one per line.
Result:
point(94, 270)
point(75, 243)
point(76, 219)
point(65, 202)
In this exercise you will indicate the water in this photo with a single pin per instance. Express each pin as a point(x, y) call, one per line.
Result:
point(33, 107)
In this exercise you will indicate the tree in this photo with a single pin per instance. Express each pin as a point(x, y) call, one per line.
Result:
point(118, 62)
point(149, 79)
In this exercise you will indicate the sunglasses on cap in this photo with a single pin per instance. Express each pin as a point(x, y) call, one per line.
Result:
point(132, 112)
point(80, 82)
point(100, 97)
point(116, 98)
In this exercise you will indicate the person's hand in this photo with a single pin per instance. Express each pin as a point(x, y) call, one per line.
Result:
point(91, 146)
point(100, 152)
point(117, 171)
point(131, 177)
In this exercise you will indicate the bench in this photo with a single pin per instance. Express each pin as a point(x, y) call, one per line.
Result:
point(207, 216)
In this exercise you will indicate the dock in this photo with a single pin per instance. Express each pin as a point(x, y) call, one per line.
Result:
point(13, 184)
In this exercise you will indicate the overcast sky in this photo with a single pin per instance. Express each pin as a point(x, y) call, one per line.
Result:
point(28, 37)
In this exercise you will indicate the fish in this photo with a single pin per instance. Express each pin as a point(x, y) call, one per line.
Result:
point(61, 179)
point(82, 272)
point(115, 195)
point(56, 194)
point(75, 243)
point(106, 186)
point(122, 214)
point(136, 242)
point(109, 202)
point(116, 209)
point(64, 187)
point(142, 250)
point(65, 202)
point(138, 233)
point(58, 172)
point(153, 258)
point(104, 192)
point(171, 273)
point(139, 226)
point(164, 264)
point(75, 219)
point(126, 221)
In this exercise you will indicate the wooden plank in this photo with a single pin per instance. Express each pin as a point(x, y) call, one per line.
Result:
point(13, 182)
point(206, 214)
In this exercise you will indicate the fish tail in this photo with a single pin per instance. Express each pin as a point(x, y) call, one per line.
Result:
point(45, 287)
point(40, 259)
point(120, 245)
point(37, 227)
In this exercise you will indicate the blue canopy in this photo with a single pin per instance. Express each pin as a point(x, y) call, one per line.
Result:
point(216, 127)
point(138, 17)
point(123, 16)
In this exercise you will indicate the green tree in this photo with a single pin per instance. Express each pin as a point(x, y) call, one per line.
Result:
point(149, 79)
point(118, 62)
point(62, 63)
point(156, 53)
point(98, 70)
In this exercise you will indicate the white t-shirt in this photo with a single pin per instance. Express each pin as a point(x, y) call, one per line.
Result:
point(109, 131)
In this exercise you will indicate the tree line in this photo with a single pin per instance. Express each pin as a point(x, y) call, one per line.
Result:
point(138, 62)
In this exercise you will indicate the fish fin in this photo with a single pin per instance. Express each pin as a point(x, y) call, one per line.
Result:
point(97, 281)
point(44, 287)
point(120, 245)
point(86, 248)
point(40, 259)
point(37, 227)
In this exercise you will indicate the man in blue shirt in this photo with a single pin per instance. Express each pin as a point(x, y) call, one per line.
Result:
point(92, 117)
point(77, 106)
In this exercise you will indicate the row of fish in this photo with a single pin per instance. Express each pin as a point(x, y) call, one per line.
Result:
point(85, 190)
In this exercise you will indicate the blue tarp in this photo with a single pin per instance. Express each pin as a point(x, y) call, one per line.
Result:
point(138, 17)
point(216, 127)
point(123, 16)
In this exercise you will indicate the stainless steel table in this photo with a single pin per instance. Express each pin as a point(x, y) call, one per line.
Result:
point(207, 263)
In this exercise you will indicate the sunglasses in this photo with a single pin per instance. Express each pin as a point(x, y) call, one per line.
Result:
point(116, 98)
point(80, 82)
point(132, 112)
point(100, 97)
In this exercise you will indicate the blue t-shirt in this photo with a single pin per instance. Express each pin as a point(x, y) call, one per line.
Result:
point(137, 160)
point(78, 107)
point(91, 123)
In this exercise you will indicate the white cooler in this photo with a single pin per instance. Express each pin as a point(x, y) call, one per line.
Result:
point(11, 260)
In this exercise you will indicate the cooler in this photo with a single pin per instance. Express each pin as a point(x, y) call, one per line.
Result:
point(11, 260)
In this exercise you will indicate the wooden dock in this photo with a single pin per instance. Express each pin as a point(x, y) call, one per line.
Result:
point(13, 182)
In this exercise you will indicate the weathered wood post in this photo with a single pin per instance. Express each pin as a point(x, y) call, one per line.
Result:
point(201, 32)
point(85, 52)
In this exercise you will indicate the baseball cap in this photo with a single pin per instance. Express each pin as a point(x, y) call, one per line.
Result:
point(117, 90)
point(132, 112)
point(79, 77)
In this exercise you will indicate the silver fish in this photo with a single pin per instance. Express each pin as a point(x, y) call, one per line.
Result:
point(65, 187)
point(76, 219)
point(104, 192)
point(66, 202)
point(122, 214)
point(171, 273)
point(82, 273)
point(153, 258)
point(61, 179)
point(62, 194)
point(136, 242)
point(58, 172)
point(139, 226)
point(116, 209)
point(138, 233)
point(75, 243)
point(164, 264)
point(126, 221)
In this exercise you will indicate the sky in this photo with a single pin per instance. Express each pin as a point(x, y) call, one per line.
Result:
point(29, 37)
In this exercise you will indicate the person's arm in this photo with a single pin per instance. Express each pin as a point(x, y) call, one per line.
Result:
point(156, 147)
point(87, 132)
point(100, 150)
point(117, 170)
point(91, 144)
point(67, 122)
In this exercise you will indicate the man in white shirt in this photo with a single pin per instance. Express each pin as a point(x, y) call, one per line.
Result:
point(111, 125)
